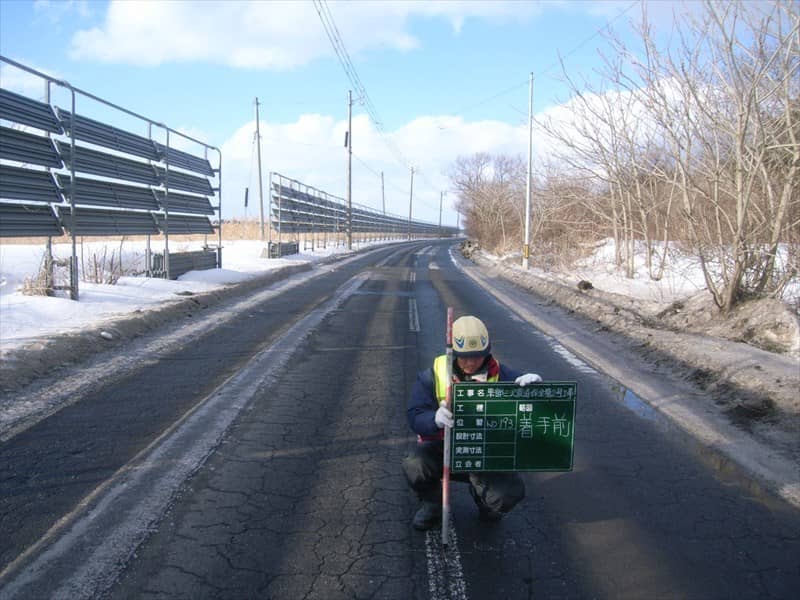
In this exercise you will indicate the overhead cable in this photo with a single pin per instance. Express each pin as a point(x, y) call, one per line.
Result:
point(335, 38)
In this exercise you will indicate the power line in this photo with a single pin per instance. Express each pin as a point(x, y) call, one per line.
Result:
point(572, 51)
point(591, 37)
point(366, 166)
point(335, 38)
point(395, 188)
point(517, 86)
point(490, 98)
point(377, 174)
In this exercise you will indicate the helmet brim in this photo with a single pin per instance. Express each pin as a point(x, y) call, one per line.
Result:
point(473, 354)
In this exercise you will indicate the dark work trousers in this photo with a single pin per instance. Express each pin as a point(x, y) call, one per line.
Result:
point(497, 492)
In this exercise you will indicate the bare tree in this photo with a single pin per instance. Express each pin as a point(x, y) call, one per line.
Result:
point(489, 198)
point(711, 126)
point(724, 101)
point(605, 137)
point(698, 145)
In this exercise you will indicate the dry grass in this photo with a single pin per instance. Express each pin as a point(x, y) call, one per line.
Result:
point(248, 229)
point(244, 229)
point(40, 284)
point(231, 230)
point(52, 275)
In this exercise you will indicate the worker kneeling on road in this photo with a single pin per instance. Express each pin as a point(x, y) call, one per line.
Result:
point(494, 493)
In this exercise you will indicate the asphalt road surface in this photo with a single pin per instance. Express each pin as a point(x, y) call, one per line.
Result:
point(261, 459)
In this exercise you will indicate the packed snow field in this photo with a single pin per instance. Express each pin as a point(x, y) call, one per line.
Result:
point(749, 363)
point(30, 318)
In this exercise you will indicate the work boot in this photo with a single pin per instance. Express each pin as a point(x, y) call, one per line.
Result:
point(428, 516)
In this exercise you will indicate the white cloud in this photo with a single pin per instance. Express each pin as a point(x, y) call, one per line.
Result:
point(311, 150)
point(55, 11)
point(268, 35)
point(22, 82)
point(273, 35)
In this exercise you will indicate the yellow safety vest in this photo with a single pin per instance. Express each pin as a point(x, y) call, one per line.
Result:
point(440, 377)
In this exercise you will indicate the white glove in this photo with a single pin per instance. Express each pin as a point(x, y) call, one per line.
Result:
point(527, 379)
point(444, 418)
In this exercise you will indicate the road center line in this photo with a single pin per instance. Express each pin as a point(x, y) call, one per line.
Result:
point(445, 574)
point(28, 409)
point(82, 555)
point(413, 315)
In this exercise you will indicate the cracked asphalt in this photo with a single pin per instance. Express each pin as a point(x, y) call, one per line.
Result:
point(303, 496)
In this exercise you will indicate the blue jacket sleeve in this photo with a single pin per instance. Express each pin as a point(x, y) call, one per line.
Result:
point(422, 405)
point(508, 374)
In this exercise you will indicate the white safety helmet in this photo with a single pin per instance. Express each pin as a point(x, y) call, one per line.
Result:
point(470, 337)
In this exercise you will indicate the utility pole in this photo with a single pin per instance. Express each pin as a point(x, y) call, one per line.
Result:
point(348, 141)
point(410, 202)
point(260, 186)
point(526, 249)
point(441, 197)
point(383, 194)
point(269, 216)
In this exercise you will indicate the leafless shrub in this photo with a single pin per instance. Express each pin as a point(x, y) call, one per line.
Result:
point(51, 276)
point(102, 266)
point(491, 198)
point(40, 284)
point(696, 145)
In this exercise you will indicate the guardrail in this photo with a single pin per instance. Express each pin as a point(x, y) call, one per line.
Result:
point(297, 208)
point(127, 183)
point(183, 262)
point(276, 250)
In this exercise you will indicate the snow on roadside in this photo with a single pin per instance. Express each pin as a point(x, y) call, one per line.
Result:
point(33, 317)
point(681, 279)
point(25, 318)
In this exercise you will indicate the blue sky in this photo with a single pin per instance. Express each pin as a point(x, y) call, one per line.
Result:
point(445, 78)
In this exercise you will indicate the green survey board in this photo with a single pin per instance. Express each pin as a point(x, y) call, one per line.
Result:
point(506, 427)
